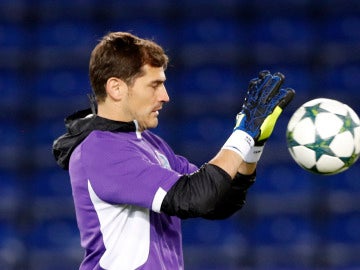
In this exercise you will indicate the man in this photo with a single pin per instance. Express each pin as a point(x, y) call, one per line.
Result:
point(130, 189)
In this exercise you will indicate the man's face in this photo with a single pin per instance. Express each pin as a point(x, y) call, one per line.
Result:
point(146, 97)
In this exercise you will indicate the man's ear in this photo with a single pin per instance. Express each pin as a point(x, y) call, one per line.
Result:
point(116, 88)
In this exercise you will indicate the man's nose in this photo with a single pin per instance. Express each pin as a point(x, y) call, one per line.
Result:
point(164, 96)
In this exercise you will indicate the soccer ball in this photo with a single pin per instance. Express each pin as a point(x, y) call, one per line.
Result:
point(323, 136)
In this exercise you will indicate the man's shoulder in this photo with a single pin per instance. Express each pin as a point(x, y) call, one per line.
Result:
point(104, 140)
point(151, 136)
point(102, 136)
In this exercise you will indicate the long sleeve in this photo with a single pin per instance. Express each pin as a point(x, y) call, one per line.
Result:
point(209, 193)
point(234, 199)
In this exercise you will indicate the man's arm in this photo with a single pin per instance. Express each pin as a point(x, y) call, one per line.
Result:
point(208, 193)
point(233, 163)
point(234, 199)
point(197, 194)
point(204, 193)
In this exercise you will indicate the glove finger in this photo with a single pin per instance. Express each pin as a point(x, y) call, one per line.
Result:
point(257, 81)
point(279, 74)
point(261, 88)
point(263, 82)
point(284, 97)
point(271, 88)
point(263, 73)
point(278, 103)
point(255, 89)
point(253, 83)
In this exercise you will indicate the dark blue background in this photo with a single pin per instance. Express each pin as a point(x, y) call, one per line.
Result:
point(293, 219)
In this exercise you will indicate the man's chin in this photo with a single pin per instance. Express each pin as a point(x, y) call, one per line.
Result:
point(151, 124)
point(154, 124)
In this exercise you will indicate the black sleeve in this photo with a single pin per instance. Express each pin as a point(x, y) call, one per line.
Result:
point(209, 193)
point(234, 199)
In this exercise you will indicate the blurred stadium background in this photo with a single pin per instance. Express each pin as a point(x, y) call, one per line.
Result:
point(293, 219)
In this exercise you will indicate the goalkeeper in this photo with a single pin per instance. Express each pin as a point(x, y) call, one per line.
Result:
point(130, 189)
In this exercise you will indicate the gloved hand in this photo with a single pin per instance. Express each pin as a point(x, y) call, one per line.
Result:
point(264, 102)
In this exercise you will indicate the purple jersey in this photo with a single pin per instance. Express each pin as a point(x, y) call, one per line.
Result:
point(119, 180)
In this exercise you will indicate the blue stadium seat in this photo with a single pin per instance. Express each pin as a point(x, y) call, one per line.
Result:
point(10, 89)
point(344, 228)
point(12, 247)
point(56, 11)
point(282, 30)
point(57, 234)
point(141, 5)
point(50, 192)
point(55, 244)
point(12, 36)
point(10, 132)
point(342, 78)
point(210, 41)
point(219, 4)
point(210, 132)
point(280, 40)
point(66, 34)
point(64, 43)
point(13, 138)
point(12, 11)
point(220, 81)
point(346, 181)
point(44, 53)
point(210, 92)
point(282, 230)
point(341, 29)
point(7, 232)
point(42, 137)
point(211, 233)
point(62, 83)
point(210, 31)
point(272, 8)
point(283, 179)
point(61, 92)
point(298, 77)
point(47, 131)
point(55, 260)
point(149, 28)
point(51, 183)
point(11, 193)
point(12, 44)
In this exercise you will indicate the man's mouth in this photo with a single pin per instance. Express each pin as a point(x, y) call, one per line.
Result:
point(156, 110)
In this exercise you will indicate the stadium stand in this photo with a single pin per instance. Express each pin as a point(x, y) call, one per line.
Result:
point(292, 220)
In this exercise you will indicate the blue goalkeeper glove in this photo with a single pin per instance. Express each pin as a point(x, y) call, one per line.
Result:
point(264, 102)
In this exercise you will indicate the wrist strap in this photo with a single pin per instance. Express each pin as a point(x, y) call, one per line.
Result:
point(240, 142)
point(254, 154)
point(243, 144)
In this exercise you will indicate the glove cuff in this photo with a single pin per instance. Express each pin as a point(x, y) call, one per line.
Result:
point(241, 143)
point(254, 154)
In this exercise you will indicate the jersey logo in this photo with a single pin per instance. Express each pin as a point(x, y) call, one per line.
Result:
point(164, 162)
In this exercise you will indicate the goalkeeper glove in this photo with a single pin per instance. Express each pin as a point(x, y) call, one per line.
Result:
point(264, 102)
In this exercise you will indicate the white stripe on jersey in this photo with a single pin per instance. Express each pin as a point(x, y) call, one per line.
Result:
point(126, 233)
point(158, 199)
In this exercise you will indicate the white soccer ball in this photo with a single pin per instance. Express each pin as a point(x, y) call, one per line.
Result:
point(323, 136)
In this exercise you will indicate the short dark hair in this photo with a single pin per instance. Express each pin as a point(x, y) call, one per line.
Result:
point(122, 55)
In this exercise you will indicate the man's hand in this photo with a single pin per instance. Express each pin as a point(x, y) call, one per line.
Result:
point(264, 102)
